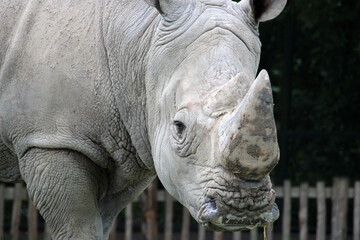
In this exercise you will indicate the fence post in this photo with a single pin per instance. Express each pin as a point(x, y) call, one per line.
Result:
point(321, 211)
point(218, 235)
point(357, 211)
point(149, 205)
point(128, 222)
point(185, 234)
point(286, 221)
point(2, 208)
point(334, 224)
point(236, 235)
point(112, 234)
point(32, 221)
point(339, 209)
point(254, 234)
point(169, 204)
point(269, 232)
point(303, 213)
point(16, 214)
point(201, 233)
point(47, 233)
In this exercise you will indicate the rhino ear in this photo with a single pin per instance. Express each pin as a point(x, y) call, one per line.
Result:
point(263, 10)
point(164, 6)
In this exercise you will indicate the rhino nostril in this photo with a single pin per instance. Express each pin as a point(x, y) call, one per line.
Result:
point(210, 203)
point(208, 199)
point(210, 210)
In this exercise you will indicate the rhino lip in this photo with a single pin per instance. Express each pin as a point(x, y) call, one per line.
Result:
point(212, 221)
point(216, 214)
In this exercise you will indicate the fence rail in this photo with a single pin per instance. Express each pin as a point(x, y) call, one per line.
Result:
point(339, 194)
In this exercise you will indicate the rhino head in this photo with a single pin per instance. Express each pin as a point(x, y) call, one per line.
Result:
point(210, 119)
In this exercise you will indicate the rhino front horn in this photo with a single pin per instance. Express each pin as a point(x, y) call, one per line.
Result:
point(247, 135)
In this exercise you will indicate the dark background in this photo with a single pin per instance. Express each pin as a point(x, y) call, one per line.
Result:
point(312, 54)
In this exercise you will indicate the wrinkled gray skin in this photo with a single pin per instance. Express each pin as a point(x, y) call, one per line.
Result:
point(97, 97)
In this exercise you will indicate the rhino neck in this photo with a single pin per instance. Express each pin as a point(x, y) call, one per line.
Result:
point(126, 38)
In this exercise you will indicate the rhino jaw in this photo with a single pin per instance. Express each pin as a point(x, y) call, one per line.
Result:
point(212, 219)
point(235, 213)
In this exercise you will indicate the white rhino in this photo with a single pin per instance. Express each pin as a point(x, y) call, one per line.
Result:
point(99, 97)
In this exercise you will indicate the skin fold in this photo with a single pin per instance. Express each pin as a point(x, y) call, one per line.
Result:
point(99, 97)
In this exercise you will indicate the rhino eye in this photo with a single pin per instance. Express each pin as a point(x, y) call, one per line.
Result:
point(180, 127)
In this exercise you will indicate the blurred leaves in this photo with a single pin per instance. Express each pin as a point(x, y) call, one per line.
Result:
point(312, 52)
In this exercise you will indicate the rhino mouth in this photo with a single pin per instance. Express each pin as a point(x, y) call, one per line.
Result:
point(253, 205)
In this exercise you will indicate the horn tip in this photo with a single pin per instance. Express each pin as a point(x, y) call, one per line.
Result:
point(264, 75)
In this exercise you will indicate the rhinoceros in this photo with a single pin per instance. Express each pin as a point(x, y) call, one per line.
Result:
point(99, 97)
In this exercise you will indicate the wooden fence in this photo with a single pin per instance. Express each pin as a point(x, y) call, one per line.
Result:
point(340, 195)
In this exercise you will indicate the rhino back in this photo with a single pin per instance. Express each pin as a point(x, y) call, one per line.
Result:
point(56, 88)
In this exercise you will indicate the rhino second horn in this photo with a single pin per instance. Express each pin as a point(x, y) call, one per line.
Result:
point(247, 135)
point(227, 96)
